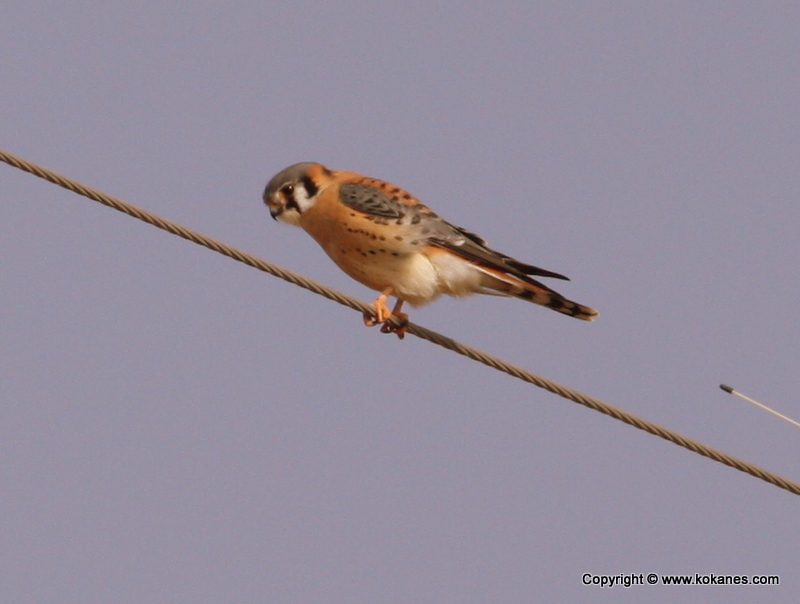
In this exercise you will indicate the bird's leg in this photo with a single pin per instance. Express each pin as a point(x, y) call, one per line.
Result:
point(388, 327)
point(382, 312)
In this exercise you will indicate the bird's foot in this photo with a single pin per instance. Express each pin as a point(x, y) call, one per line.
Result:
point(384, 316)
point(399, 331)
point(382, 312)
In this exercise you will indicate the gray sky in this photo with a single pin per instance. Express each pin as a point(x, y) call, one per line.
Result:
point(177, 427)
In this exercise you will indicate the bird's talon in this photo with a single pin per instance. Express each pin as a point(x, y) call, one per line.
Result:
point(399, 331)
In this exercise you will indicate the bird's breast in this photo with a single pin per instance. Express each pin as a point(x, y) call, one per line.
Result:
point(378, 253)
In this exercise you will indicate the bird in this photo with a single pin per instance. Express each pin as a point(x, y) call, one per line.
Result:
point(388, 240)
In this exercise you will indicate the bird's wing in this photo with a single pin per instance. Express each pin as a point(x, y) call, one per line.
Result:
point(387, 202)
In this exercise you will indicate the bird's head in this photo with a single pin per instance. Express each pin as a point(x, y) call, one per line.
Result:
point(294, 190)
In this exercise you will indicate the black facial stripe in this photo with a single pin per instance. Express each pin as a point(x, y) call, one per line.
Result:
point(310, 186)
point(291, 202)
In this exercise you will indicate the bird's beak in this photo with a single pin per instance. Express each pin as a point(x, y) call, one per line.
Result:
point(275, 210)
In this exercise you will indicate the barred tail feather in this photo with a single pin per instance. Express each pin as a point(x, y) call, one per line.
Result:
point(556, 301)
point(533, 291)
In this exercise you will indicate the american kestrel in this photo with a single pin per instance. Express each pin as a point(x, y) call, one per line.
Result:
point(386, 239)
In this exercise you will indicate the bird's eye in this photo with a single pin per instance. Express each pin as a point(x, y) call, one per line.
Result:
point(287, 190)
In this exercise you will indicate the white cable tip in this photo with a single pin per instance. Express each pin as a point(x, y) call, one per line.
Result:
point(730, 390)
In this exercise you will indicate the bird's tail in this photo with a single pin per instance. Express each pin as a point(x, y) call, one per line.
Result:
point(551, 299)
point(533, 291)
